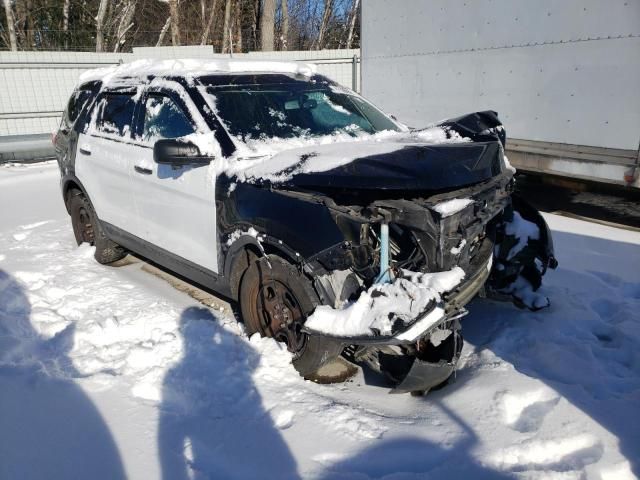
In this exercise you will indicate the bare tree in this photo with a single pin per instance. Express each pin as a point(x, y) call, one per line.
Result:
point(125, 23)
point(11, 26)
point(65, 22)
point(102, 11)
point(352, 22)
point(267, 25)
point(163, 32)
point(285, 24)
point(205, 33)
point(326, 17)
point(226, 27)
point(238, 30)
point(175, 27)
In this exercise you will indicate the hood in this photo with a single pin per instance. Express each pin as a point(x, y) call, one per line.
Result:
point(395, 162)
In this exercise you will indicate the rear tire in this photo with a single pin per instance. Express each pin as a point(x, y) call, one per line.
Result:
point(87, 229)
point(275, 300)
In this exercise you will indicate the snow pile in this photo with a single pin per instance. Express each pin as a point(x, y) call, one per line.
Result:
point(192, 68)
point(522, 289)
point(436, 134)
point(236, 234)
point(379, 308)
point(451, 207)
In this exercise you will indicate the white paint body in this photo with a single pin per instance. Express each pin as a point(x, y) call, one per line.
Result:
point(177, 208)
point(104, 167)
point(171, 208)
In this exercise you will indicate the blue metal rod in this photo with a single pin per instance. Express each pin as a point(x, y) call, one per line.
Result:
point(385, 275)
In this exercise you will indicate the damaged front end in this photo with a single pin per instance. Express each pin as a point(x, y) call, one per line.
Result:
point(414, 235)
point(417, 348)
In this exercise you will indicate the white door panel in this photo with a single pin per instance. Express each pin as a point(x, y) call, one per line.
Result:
point(177, 208)
point(104, 167)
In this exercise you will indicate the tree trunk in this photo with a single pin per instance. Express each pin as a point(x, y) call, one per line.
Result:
point(326, 16)
point(267, 25)
point(163, 32)
point(352, 22)
point(22, 25)
point(254, 24)
point(205, 34)
point(65, 22)
point(29, 24)
point(227, 26)
point(102, 11)
point(285, 24)
point(125, 23)
point(175, 27)
point(11, 26)
point(239, 33)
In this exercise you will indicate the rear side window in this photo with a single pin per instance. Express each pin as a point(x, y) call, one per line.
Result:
point(115, 114)
point(77, 103)
point(163, 118)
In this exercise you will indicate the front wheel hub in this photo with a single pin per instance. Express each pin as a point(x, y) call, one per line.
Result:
point(280, 315)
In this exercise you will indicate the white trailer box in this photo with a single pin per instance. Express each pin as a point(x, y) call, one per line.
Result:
point(563, 75)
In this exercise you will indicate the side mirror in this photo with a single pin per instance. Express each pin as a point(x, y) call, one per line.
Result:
point(170, 151)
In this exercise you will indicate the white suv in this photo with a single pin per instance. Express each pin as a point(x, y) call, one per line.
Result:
point(339, 231)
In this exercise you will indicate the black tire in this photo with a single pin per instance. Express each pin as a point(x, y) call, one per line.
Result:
point(87, 229)
point(270, 281)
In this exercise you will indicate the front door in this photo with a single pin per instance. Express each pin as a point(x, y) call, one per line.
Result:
point(176, 204)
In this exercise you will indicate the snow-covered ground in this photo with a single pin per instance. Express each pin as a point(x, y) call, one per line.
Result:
point(111, 372)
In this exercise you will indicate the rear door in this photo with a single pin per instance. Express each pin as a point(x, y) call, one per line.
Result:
point(104, 159)
point(176, 204)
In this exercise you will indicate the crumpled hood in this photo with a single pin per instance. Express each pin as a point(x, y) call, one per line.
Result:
point(391, 163)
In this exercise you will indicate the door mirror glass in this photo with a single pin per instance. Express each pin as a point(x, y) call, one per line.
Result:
point(176, 152)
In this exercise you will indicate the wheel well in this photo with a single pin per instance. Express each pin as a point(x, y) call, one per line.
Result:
point(68, 188)
point(239, 266)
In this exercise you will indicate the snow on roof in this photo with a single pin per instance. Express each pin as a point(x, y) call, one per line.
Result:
point(193, 68)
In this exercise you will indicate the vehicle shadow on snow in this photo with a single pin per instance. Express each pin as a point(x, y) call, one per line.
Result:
point(417, 458)
point(49, 428)
point(585, 346)
point(212, 422)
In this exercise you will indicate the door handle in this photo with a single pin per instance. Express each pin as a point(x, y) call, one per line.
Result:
point(142, 170)
point(85, 151)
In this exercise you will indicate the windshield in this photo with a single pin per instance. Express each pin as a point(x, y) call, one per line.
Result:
point(293, 110)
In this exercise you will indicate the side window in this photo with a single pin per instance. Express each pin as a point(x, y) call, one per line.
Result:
point(77, 102)
point(115, 114)
point(164, 119)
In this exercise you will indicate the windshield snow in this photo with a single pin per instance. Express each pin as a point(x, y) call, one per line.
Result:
point(260, 112)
